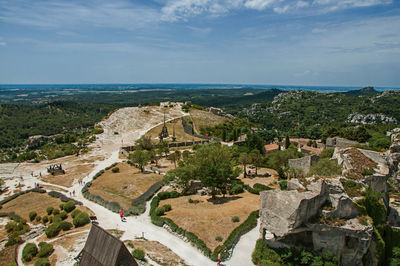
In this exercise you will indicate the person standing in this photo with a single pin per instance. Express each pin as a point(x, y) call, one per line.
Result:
point(121, 214)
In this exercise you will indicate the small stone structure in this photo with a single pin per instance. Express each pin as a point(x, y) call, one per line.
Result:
point(304, 163)
point(55, 169)
point(287, 219)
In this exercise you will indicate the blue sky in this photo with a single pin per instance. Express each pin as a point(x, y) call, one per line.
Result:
point(301, 42)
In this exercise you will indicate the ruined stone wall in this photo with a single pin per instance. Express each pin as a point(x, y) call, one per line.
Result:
point(303, 163)
point(339, 142)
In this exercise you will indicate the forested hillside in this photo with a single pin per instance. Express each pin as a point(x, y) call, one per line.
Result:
point(18, 122)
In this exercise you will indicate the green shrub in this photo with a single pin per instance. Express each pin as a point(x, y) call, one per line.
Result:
point(81, 219)
point(14, 217)
point(190, 200)
point(160, 211)
point(56, 211)
point(29, 252)
point(51, 219)
point(45, 219)
point(235, 219)
point(375, 208)
point(138, 254)
point(352, 188)
point(263, 255)
point(57, 218)
point(167, 195)
point(52, 230)
point(283, 184)
point(32, 216)
point(75, 212)
point(130, 245)
point(167, 207)
point(368, 171)
point(115, 170)
point(63, 215)
point(42, 262)
point(218, 238)
point(380, 246)
point(61, 206)
point(325, 167)
point(65, 226)
point(45, 249)
point(327, 153)
point(38, 218)
point(236, 189)
point(49, 210)
point(260, 187)
point(69, 206)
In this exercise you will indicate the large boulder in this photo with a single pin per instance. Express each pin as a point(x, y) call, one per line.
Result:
point(283, 211)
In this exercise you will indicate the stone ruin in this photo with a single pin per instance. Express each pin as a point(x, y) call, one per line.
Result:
point(339, 142)
point(393, 163)
point(55, 169)
point(304, 163)
point(289, 219)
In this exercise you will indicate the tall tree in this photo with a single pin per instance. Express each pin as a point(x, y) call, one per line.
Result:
point(287, 142)
point(211, 164)
point(140, 158)
point(244, 160)
point(174, 157)
point(256, 159)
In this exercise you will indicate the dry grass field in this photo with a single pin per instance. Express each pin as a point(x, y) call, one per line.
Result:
point(158, 252)
point(7, 256)
point(205, 119)
point(209, 219)
point(179, 132)
point(77, 171)
point(124, 186)
point(37, 202)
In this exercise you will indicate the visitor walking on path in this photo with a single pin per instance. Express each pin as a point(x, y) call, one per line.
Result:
point(121, 214)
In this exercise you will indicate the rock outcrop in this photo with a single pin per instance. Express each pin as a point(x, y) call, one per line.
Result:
point(370, 119)
point(288, 219)
point(35, 142)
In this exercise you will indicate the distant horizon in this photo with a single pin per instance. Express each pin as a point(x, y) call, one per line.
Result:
point(193, 86)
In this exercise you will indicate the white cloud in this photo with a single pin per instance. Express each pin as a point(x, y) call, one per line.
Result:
point(281, 10)
point(302, 4)
point(58, 13)
point(259, 4)
point(129, 15)
point(3, 43)
point(332, 5)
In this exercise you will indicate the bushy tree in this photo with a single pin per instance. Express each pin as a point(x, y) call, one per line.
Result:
point(211, 164)
point(140, 158)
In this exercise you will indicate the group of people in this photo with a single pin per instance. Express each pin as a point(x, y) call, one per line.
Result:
point(73, 193)
point(81, 182)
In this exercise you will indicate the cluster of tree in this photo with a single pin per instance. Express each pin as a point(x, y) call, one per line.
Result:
point(212, 164)
point(146, 150)
point(317, 115)
point(18, 122)
point(228, 130)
